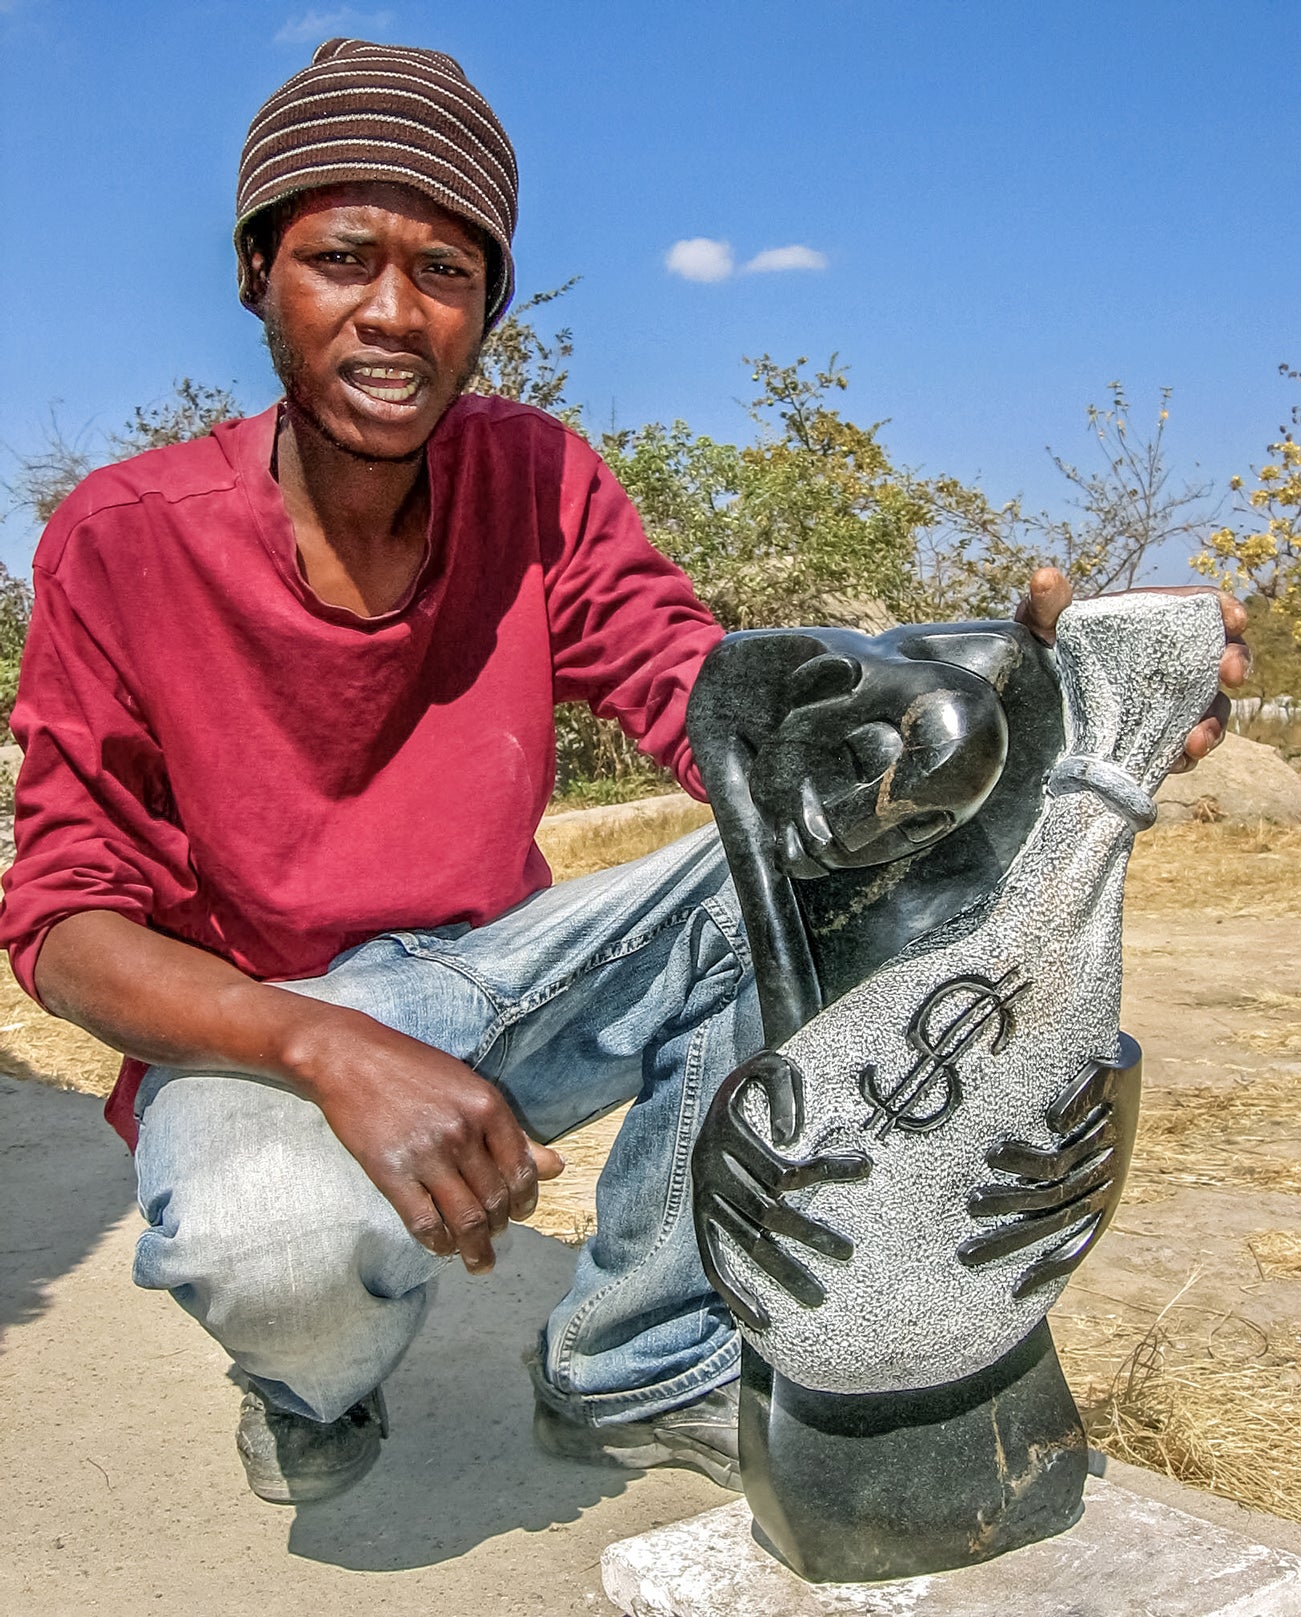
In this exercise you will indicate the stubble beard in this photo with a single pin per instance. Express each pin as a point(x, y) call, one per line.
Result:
point(288, 364)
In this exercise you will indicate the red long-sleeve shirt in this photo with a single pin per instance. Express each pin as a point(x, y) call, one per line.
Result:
point(213, 751)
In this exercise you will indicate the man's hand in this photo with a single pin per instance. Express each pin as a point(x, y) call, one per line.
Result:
point(1050, 594)
point(439, 1141)
point(435, 1138)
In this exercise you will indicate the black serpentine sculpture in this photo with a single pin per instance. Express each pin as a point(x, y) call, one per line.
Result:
point(929, 847)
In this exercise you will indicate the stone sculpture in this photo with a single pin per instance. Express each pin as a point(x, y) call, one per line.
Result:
point(929, 836)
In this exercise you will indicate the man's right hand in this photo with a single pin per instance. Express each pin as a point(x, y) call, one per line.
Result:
point(439, 1141)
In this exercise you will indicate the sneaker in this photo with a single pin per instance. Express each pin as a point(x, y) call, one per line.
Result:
point(701, 1435)
point(290, 1459)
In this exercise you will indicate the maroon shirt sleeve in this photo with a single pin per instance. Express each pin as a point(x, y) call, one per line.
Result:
point(628, 633)
point(94, 824)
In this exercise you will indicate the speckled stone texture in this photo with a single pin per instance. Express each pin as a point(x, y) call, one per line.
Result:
point(1137, 672)
point(1128, 1557)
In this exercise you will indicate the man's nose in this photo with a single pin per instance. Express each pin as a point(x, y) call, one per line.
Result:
point(392, 306)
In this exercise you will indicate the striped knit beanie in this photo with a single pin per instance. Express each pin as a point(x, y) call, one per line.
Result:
point(390, 113)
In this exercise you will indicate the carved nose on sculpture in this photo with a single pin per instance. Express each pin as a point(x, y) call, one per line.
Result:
point(954, 749)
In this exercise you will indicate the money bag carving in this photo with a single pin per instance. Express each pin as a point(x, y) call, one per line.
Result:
point(895, 1191)
point(904, 1310)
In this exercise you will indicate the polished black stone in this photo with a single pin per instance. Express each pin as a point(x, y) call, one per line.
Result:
point(890, 1485)
point(774, 708)
point(867, 789)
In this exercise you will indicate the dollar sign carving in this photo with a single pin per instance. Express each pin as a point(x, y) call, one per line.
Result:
point(974, 1003)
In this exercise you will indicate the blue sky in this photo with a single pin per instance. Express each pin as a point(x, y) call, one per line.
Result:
point(1000, 208)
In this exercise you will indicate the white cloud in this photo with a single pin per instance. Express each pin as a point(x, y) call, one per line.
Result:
point(314, 27)
point(775, 259)
point(700, 259)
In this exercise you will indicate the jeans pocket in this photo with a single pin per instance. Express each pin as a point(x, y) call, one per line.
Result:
point(431, 943)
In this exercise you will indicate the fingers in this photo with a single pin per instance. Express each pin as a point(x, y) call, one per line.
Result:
point(506, 1168)
point(415, 1207)
point(830, 1168)
point(548, 1163)
point(783, 1084)
point(1048, 597)
point(1205, 736)
point(467, 1220)
point(777, 1264)
point(487, 1177)
point(1235, 616)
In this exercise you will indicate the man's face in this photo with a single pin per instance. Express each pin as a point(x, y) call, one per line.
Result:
point(374, 307)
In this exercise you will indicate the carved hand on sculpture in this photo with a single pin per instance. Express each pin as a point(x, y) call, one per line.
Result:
point(740, 1181)
point(1074, 1188)
point(874, 764)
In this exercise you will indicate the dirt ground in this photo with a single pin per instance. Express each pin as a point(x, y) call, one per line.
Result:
point(1179, 1334)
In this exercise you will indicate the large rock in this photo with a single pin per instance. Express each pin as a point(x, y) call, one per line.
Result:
point(1242, 782)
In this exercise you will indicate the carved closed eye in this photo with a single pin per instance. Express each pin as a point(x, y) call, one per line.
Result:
point(873, 748)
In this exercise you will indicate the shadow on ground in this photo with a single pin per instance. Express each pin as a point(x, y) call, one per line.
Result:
point(460, 1466)
point(65, 1178)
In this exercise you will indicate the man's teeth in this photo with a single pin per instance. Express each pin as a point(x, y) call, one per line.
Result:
point(387, 382)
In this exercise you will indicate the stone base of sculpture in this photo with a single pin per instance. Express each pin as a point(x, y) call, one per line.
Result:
point(857, 1488)
point(1130, 1552)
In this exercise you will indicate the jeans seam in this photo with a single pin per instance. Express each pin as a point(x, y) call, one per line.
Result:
point(673, 1202)
point(495, 998)
point(613, 951)
point(510, 1012)
point(724, 1357)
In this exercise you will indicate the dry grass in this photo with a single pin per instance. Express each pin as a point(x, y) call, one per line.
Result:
point(1219, 869)
point(1243, 1135)
point(1277, 1254)
point(34, 1045)
point(577, 848)
point(1221, 1413)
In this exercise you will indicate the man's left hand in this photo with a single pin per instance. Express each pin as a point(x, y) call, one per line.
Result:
point(1050, 594)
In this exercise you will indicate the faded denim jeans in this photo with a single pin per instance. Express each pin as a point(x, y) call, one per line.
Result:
point(632, 984)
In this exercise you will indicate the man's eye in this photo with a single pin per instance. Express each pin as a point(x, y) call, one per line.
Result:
point(336, 257)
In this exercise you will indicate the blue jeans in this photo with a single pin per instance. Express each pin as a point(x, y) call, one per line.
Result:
point(632, 984)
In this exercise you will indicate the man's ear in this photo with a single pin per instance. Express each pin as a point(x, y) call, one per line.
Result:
point(258, 271)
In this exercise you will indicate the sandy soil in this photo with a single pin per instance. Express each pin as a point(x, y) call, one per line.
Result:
point(124, 1492)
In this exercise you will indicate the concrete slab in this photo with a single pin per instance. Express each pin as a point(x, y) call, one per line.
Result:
point(1130, 1556)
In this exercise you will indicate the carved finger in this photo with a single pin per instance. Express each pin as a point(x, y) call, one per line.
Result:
point(1065, 1257)
point(748, 1309)
point(766, 1213)
point(1002, 1242)
point(996, 1201)
point(829, 1168)
point(817, 828)
point(776, 1263)
point(797, 1226)
point(783, 1085)
point(1047, 1167)
point(792, 856)
point(1081, 1098)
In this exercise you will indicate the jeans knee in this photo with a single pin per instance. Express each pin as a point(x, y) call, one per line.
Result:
point(319, 1300)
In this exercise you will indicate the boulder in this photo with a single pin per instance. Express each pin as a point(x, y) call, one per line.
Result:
point(1242, 782)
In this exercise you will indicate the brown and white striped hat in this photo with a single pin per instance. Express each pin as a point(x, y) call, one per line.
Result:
point(383, 112)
